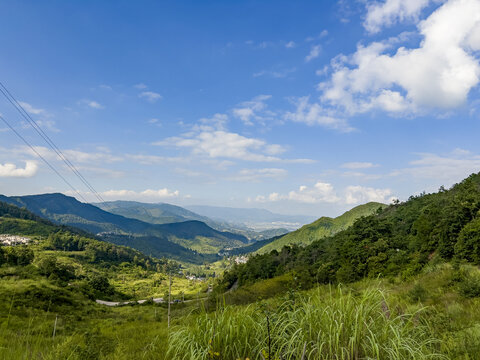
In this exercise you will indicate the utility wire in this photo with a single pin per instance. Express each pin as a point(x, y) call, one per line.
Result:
point(41, 157)
point(48, 140)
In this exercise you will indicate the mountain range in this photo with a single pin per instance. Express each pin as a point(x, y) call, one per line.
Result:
point(162, 213)
point(189, 237)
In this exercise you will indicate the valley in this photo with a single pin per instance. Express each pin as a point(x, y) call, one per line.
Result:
point(406, 282)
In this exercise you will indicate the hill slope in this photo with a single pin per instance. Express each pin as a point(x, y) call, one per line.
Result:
point(68, 211)
point(402, 238)
point(323, 227)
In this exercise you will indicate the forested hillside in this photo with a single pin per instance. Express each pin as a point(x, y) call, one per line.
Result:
point(400, 239)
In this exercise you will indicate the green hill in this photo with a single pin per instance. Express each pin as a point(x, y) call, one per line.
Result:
point(323, 227)
point(400, 239)
point(66, 210)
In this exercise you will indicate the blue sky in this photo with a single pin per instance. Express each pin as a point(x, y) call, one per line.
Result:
point(304, 107)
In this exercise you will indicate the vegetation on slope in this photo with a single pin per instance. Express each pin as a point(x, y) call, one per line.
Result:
point(323, 227)
point(335, 324)
point(401, 238)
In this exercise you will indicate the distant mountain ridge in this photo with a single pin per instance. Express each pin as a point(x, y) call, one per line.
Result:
point(63, 209)
point(323, 227)
point(163, 213)
point(159, 213)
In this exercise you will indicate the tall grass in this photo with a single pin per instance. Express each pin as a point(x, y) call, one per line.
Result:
point(338, 325)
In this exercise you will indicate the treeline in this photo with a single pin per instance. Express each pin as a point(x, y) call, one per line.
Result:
point(399, 239)
point(100, 252)
point(20, 213)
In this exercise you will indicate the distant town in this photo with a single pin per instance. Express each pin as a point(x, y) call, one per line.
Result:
point(13, 240)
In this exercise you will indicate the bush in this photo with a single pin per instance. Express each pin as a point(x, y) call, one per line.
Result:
point(469, 287)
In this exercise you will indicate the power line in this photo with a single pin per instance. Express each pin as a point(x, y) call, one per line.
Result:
point(41, 157)
point(48, 140)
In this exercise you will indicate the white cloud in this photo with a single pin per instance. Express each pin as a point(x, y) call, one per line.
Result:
point(319, 193)
point(447, 168)
point(389, 12)
point(217, 121)
point(222, 144)
point(30, 109)
point(11, 170)
point(252, 110)
point(290, 45)
point(150, 96)
point(314, 53)
point(439, 74)
point(359, 165)
point(316, 114)
point(361, 194)
point(323, 192)
point(140, 86)
point(91, 103)
point(94, 105)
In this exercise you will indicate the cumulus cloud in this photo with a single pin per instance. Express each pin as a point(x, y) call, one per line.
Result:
point(11, 170)
point(223, 144)
point(315, 114)
point(389, 12)
point(323, 192)
point(314, 53)
point(150, 96)
point(320, 192)
point(254, 109)
point(439, 74)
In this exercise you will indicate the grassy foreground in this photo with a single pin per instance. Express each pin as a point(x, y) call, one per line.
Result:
point(435, 315)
